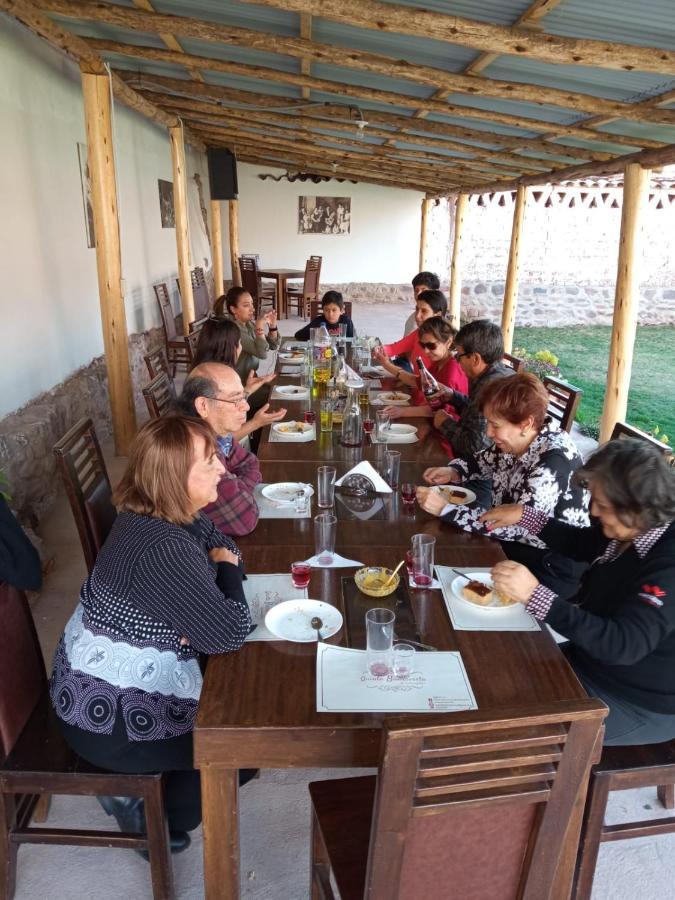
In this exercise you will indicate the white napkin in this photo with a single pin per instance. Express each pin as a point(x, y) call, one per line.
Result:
point(339, 562)
point(434, 586)
point(365, 468)
point(353, 376)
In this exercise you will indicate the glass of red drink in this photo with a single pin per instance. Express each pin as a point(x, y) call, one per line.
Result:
point(368, 426)
point(409, 562)
point(408, 492)
point(309, 416)
point(300, 574)
point(423, 546)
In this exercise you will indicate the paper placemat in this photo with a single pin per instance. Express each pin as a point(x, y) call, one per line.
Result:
point(466, 618)
point(275, 438)
point(269, 509)
point(438, 683)
point(262, 592)
point(339, 562)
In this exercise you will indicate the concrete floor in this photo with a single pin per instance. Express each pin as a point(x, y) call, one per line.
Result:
point(275, 808)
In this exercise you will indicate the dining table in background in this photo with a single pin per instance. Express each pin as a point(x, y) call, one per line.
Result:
point(282, 277)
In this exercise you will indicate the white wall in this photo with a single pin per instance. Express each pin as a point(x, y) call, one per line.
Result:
point(385, 228)
point(49, 298)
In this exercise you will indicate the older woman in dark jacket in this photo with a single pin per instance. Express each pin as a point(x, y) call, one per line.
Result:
point(621, 622)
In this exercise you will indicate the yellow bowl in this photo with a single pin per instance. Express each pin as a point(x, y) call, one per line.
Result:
point(367, 580)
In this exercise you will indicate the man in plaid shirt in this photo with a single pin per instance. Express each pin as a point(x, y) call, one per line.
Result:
point(213, 392)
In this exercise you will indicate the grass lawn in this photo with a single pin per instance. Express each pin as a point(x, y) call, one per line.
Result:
point(583, 352)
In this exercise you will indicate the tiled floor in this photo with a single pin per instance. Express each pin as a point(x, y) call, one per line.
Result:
point(274, 809)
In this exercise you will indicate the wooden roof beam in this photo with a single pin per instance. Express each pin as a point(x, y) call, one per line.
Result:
point(347, 57)
point(484, 36)
point(306, 35)
point(169, 39)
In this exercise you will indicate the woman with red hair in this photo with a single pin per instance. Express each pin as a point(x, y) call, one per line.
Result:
point(531, 462)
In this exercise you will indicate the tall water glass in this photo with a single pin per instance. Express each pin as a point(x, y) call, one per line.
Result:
point(380, 639)
point(325, 483)
point(392, 462)
point(423, 559)
point(325, 529)
point(382, 422)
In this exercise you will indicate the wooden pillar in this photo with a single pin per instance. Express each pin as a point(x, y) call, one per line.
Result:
point(217, 248)
point(455, 298)
point(626, 298)
point(234, 241)
point(182, 226)
point(423, 233)
point(96, 90)
point(511, 287)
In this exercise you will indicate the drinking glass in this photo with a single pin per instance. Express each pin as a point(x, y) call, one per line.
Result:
point(368, 426)
point(300, 574)
point(382, 420)
point(309, 416)
point(325, 482)
point(325, 528)
point(326, 415)
point(301, 502)
point(423, 559)
point(380, 638)
point(392, 461)
point(404, 656)
point(363, 397)
point(409, 562)
point(408, 492)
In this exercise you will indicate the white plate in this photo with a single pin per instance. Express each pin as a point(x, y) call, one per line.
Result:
point(495, 606)
point(289, 390)
point(285, 491)
point(401, 430)
point(292, 620)
point(392, 398)
point(292, 357)
point(445, 489)
point(307, 431)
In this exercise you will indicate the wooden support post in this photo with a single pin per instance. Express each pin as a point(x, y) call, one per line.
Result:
point(234, 241)
point(217, 249)
point(455, 297)
point(511, 286)
point(96, 91)
point(423, 233)
point(626, 298)
point(182, 226)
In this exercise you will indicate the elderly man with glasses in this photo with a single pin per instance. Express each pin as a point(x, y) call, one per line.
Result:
point(213, 392)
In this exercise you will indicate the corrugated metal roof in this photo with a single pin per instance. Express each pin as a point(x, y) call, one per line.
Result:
point(650, 23)
point(481, 125)
point(231, 12)
point(500, 12)
point(372, 80)
point(544, 113)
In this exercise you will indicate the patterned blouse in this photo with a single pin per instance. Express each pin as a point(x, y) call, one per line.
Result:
point(541, 478)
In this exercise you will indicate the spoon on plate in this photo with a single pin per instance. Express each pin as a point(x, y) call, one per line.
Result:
point(318, 624)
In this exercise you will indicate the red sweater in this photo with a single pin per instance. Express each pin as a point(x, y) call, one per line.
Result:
point(410, 346)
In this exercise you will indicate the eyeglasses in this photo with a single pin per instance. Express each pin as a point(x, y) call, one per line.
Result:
point(236, 402)
point(458, 356)
point(429, 345)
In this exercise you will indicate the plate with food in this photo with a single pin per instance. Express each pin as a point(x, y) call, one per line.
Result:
point(292, 356)
point(392, 398)
point(453, 493)
point(397, 433)
point(477, 589)
point(291, 391)
point(285, 491)
point(294, 431)
point(292, 620)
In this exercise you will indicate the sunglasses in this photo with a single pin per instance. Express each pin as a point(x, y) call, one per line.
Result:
point(429, 345)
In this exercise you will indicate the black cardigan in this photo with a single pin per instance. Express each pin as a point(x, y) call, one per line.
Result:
point(303, 333)
point(621, 622)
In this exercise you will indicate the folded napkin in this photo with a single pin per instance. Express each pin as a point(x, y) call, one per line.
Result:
point(434, 586)
point(353, 376)
point(365, 468)
point(339, 562)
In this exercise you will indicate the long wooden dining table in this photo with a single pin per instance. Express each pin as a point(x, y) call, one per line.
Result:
point(258, 706)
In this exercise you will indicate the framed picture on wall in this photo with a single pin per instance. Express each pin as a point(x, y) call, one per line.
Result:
point(166, 210)
point(85, 181)
point(324, 215)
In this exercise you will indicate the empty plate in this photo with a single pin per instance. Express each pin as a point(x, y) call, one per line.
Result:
point(292, 620)
point(285, 491)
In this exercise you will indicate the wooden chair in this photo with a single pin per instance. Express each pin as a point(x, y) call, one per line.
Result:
point(513, 362)
point(622, 430)
point(620, 769)
point(563, 401)
point(160, 396)
point(38, 763)
point(315, 308)
point(302, 297)
point(177, 348)
point(157, 362)
point(469, 809)
point(82, 467)
point(251, 281)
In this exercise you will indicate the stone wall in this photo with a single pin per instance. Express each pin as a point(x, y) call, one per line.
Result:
point(28, 435)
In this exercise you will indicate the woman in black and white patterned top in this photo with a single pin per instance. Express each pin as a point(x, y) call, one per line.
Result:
point(531, 462)
point(166, 590)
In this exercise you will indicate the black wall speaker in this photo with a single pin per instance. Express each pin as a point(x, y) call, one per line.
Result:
point(222, 174)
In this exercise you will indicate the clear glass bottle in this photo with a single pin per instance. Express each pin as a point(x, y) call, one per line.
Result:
point(352, 421)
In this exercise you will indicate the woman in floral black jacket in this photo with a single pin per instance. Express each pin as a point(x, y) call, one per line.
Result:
point(531, 462)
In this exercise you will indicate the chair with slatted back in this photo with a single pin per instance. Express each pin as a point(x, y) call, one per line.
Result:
point(263, 296)
point(160, 396)
point(157, 362)
point(563, 401)
point(315, 308)
point(37, 762)
point(303, 296)
point(475, 808)
point(177, 349)
point(200, 295)
point(623, 430)
point(513, 362)
point(82, 467)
